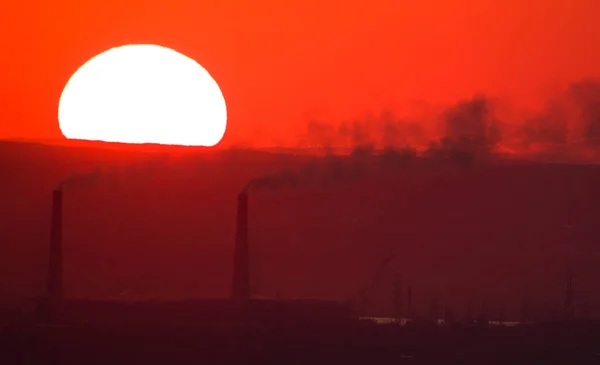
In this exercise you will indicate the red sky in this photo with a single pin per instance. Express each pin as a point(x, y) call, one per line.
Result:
point(281, 62)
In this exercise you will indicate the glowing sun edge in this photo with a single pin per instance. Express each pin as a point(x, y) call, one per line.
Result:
point(83, 99)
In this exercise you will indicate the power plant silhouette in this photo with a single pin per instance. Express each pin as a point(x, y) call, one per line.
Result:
point(241, 308)
point(246, 329)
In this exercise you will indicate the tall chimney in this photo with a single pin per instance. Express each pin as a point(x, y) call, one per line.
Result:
point(55, 270)
point(241, 269)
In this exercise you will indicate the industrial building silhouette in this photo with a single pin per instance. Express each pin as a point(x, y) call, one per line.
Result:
point(240, 309)
point(232, 330)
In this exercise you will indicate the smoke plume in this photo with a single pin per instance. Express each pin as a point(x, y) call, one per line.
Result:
point(550, 127)
point(585, 98)
point(568, 127)
point(143, 170)
point(472, 124)
point(470, 129)
point(384, 130)
point(332, 169)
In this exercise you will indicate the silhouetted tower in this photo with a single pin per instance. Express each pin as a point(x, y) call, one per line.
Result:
point(569, 313)
point(241, 267)
point(55, 270)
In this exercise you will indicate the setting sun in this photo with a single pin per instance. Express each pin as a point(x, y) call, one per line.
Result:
point(143, 94)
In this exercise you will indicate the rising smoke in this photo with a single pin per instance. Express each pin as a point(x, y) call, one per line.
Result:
point(382, 131)
point(585, 99)
point(470, 129)
point(569, 121)
point(333, 169)
point(140, 171)
point(466, 131)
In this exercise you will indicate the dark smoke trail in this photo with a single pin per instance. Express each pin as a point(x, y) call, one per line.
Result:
point(81, 180)
point(585, 97)
point(140, 171)
point(470, 125)
point(331, 169)
point(567, 128)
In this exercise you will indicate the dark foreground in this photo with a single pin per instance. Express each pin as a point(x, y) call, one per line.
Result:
point(352, 344)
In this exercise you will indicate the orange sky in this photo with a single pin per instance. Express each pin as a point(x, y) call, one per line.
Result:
point(280, 62)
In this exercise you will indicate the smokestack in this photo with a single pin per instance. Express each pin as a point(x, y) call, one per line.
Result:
point(241, 269)
point(55, 280)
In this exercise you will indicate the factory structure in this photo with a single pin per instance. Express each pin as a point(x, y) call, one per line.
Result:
point(240, 309)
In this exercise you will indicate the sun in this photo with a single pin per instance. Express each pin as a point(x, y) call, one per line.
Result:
point(143, 94)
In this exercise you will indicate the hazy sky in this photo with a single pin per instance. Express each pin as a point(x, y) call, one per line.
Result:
point(281, 62)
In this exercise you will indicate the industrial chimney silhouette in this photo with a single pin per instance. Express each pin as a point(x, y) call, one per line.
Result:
point(55, 270)
point(241, 270)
